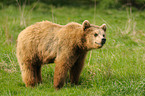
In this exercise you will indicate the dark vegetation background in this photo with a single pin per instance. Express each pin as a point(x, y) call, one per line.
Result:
point(139, 4)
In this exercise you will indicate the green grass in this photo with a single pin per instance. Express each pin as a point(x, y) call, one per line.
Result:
point(116, 69)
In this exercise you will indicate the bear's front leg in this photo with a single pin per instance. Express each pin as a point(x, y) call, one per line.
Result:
point(76, 69)
point(60, 74)
point(75, 72)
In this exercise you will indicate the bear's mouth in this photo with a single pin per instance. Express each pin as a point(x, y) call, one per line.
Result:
point(99, 43)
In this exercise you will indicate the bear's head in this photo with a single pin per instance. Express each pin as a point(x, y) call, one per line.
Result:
point(95, 36)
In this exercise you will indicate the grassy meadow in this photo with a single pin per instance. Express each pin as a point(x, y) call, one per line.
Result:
point(117, 69)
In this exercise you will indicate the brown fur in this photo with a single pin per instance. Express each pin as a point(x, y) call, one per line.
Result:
point(65, 45)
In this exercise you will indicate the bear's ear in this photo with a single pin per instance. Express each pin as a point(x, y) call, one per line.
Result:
point(86, 24)
point(104, 27)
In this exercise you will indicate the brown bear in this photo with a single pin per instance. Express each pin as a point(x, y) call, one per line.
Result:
point(65, 45)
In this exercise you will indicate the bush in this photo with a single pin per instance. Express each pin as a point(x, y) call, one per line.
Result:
point(109, 4)
point(135, 3)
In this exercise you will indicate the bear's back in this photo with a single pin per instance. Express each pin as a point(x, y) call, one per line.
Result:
point(33, 38)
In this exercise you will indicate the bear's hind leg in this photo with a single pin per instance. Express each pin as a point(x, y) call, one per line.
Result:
point(31, 75)
point(38, 74)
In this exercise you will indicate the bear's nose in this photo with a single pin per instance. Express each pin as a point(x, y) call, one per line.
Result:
point(103, 41)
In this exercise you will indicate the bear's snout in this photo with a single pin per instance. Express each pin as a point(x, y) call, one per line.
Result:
point(103, 41)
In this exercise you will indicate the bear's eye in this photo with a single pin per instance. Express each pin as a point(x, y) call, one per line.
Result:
point(95, 34)
point(103, 35)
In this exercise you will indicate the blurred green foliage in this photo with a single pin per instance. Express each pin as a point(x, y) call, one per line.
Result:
point(140, 4)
